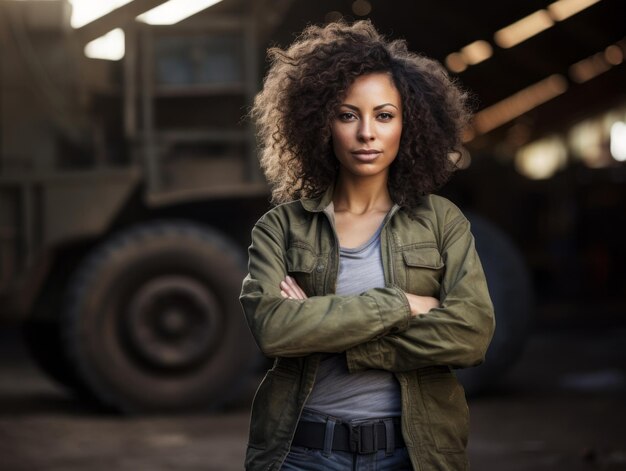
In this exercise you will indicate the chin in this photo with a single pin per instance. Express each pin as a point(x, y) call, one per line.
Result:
point(360, 171)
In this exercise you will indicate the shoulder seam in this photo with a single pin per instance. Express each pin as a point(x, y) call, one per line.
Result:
point(269, 228)
point(454, 222)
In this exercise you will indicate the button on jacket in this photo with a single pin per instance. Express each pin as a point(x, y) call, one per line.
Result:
point(427, 250)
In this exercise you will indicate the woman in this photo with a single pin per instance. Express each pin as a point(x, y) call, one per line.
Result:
point(364, 287)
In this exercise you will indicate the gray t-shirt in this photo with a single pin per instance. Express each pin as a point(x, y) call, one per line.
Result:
point(361, 395)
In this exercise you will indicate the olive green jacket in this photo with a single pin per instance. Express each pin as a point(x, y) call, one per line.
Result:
point(427, 251)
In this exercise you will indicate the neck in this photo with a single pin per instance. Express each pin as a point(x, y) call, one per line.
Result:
point(360, 195)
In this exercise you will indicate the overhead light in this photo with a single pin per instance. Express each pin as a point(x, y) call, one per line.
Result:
point(109, 47)
point(599, 141)
point(472, 54)
point(86, 11)
point(618, 141)
point(589, 68)
point(174, 11)
point(539, 21)
point(592, 66)
point(614, 54)
point(541, 159)
point(565, 8)
point(455, 62)
point(476, 52)
point(519, 103)
point(523, 29)
point(585, 140)
point(520, 31)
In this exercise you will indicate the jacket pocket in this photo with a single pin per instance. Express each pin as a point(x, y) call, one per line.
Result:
point(446, 408)
point(423, 268)
point(301, 263)
point(269, 405)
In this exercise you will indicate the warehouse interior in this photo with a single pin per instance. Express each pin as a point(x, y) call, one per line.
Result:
point(122, 112)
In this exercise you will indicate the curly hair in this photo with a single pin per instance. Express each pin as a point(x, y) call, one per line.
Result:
point(305, 84)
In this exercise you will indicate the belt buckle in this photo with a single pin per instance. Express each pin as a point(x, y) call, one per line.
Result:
point(363, 439)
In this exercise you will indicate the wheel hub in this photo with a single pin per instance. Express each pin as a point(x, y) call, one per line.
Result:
point(173, 322)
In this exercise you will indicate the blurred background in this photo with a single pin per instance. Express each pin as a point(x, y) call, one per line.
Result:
point(129, 183)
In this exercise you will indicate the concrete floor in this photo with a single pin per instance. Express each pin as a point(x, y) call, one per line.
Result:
point(563, 407)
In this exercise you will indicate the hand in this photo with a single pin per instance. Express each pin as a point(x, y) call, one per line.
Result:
point(290, 289)
point(421, 304)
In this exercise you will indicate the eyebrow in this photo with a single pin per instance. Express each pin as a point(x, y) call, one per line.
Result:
point(376, 108)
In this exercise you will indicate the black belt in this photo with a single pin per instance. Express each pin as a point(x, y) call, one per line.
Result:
point(362, 438)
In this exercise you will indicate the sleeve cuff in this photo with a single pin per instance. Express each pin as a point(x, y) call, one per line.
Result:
point(395, 311)
point(395, 314)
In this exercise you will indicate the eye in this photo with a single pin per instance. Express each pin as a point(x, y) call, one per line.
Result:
point(347, 116)
point(385, 116)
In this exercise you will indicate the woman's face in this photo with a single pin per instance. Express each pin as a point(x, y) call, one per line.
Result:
point(367, 126)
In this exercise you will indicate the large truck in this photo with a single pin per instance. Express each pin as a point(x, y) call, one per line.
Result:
point(127, 194)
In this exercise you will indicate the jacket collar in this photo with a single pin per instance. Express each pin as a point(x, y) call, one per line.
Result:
point(321, 202)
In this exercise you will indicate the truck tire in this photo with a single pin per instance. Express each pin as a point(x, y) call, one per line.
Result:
point(153, 321)
point(511, 291)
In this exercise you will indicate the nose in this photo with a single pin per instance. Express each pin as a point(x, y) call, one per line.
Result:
point(365, 131)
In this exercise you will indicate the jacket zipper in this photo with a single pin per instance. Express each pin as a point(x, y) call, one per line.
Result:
point(335, 268)
point(389, 243)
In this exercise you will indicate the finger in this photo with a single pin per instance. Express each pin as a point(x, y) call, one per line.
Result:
point(291, 293)
point(283, 294)
point(286, 287)
point(291, 287)
point(297, 288)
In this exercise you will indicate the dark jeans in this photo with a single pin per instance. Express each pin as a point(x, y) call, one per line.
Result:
point(310, 459)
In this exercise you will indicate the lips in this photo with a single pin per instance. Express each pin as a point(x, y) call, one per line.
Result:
point(366, 155)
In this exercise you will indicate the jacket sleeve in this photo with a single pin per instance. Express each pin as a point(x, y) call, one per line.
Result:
point(455, 334)
point(290, 328)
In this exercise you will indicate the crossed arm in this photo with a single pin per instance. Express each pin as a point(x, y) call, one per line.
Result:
point(419, 304)
point(454, 331)
point(383, 328)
